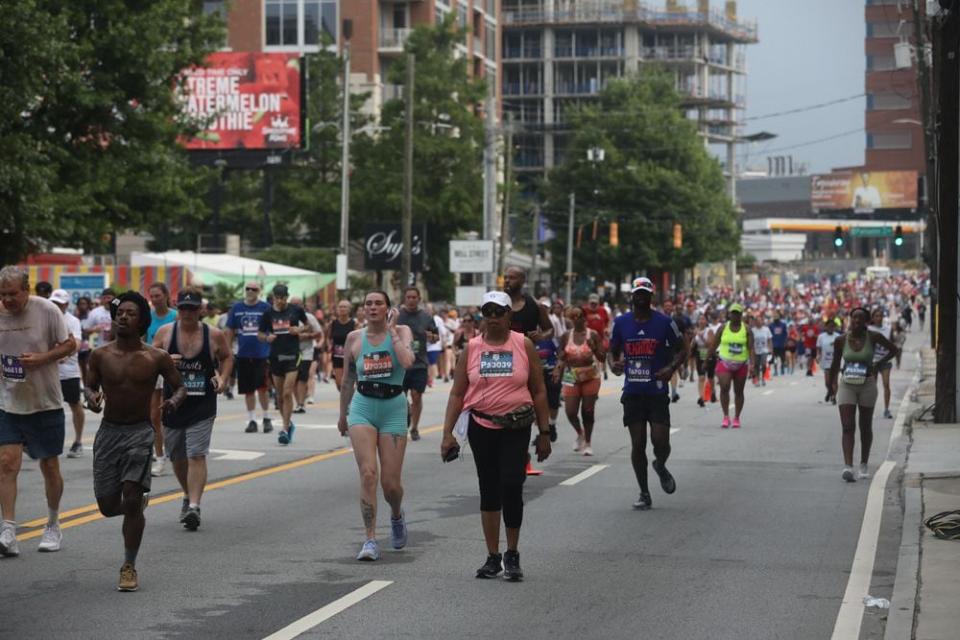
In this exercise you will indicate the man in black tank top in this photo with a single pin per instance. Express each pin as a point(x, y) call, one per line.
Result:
point(529, 318)
point(198, 351)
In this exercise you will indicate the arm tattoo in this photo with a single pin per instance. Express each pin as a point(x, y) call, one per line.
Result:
point(368, 514)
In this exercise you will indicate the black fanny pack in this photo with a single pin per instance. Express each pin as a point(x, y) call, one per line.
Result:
point(378, 390)
point(520, 418)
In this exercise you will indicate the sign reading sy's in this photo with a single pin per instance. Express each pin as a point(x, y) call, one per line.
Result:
point(244, 100)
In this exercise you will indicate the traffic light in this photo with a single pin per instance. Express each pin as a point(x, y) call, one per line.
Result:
point(677, 235)
point(898, 236)
point(838, 237)
point(614, 234)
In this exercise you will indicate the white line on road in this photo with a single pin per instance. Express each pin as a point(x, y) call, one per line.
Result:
point(583, 475)
point(767, 392)
point(674, 430)
point(235, 454)
point(323, 614)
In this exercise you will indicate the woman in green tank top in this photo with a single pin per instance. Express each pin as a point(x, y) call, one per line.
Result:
point(853, 378)
point(733, 345)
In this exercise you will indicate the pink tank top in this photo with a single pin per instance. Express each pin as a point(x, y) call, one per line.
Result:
point(498, 377)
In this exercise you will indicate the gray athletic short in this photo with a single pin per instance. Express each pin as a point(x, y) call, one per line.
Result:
point(121, 453)
point(192, 442)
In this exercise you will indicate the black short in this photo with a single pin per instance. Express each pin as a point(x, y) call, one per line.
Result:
point(780, 353)
point(640, 409)
point(336, 362)
point(318, 354)
point(303, 373)
point(415, 379)
point(251, 375)
point(553, 389)
point(83, 356)
point(710, 367)
point(282, 365)
point(71, 390)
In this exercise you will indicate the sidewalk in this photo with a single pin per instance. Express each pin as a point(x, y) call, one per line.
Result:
point(926, 596)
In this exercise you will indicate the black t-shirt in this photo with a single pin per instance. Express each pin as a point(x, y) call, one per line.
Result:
point(528, 318)
point(278, 323)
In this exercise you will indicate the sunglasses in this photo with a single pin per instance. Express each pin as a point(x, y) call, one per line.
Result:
point(252, 289)
point(493, 311)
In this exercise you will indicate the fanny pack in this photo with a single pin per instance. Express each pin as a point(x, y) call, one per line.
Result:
point(378, 390)
point(520, 418)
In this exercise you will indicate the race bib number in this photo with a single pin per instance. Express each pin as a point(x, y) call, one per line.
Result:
point(338, 351)
point(639, 370)
point(249, 325)
point(496, 364)
point(195, 383)
point(736, 348)
point(281, 327)
point(854, 373)
point(377, 365)
point(13, 370)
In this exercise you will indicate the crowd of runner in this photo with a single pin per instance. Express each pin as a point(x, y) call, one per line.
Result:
point(155, 369)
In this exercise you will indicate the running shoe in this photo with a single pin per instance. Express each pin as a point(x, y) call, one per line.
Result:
point(311, 400)
point(414, 434)
point(191, 520)
point(251, 427)
point(848, 474)
point(398, 532)
point(578, 445)
point(76, 450)
point(511, 566)
point(643, 502)
point(286, 435)
point(184, 507)
point(159, 467)
point(667, 482)
point(553, 432)
point(736, 423)
point(300, 409)
point(725, 424)
point(587, 450)
point(492, 567)
point(701, 403)
point(128, 578)
point(8, 540)
point(826, 398)
point(369, 552)
point(713, 397)
point(887, 414)
point(675, 397)
point(51, 539)
point(863, 473)
point(267, 425)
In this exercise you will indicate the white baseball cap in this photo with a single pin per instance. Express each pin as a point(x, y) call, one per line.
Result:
point(60, 297)
point(498, 298)
point(642, 284)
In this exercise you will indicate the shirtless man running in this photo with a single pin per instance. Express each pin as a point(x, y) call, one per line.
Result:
point(127, 371)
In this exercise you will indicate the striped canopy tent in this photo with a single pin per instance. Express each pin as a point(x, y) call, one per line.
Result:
point(118, 277)
point(209, 269)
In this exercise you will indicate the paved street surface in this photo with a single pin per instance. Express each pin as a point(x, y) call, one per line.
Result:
point(757, 542)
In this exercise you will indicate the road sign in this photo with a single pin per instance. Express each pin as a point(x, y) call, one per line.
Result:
point(471, 256)
point(871, 232)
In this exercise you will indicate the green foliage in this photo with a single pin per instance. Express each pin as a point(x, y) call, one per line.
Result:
point(89, 123)
point(310, 258)
point(655, 172)
point(224, 294)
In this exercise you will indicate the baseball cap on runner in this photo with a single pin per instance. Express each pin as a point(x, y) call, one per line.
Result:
point(642, 284)
point(187, 298)
point(60, 297)
point(498, 298)
point(736, 307)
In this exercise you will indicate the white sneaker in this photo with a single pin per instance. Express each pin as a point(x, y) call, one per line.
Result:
point(158, 467)
point(578, 445)
point(8, 541)
point(587, 450)
point(863, 473)
point(848, 474)
point(51, 539)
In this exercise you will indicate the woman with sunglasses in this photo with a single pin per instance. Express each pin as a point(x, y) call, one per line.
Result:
point(855, 361)
point(580, 351)
point(499, 382)
point(377, 358)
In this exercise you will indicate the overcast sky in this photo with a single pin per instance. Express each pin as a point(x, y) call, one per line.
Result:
point(810, 51)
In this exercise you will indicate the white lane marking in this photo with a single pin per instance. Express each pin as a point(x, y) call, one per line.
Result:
point(674, 430)
point(583, 475)
point(793, 384)
point(235, 454)
point(311, 427)
point(902, 411)
point(767, 392)
point(858, 584)
point(323, 614)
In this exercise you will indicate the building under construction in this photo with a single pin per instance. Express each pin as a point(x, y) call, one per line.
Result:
point(558, 53)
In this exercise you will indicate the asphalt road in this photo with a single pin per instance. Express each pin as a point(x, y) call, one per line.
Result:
point(757, 542)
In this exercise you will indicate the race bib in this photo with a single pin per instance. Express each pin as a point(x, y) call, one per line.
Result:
point(639, 370)
point(377, 365)
point(703, 354)
point(13, 370)
point(338, 351)
point(195, 383)
point(569, 379)
point(854, 373)
point(496, 364)
point(736, 348)
point(281, 327)
point(249, 325)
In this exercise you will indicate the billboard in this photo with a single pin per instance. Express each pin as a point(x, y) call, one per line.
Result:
point(471, 256)
point(383, 246)
point(244, 100)
point(864, 190)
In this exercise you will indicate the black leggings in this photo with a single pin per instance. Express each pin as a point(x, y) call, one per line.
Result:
point(501, 458)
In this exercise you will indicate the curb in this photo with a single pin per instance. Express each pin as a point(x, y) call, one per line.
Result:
point(906, 584)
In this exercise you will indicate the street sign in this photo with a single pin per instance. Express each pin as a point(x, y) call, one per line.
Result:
point(469, 296)
point(471, 256)
point(871, 232)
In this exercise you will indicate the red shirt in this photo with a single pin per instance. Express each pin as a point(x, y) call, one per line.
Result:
point(597, 319)
point(810, 333)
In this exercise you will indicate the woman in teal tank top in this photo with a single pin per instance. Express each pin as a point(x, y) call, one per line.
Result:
point(853, 378)
point(373, 410)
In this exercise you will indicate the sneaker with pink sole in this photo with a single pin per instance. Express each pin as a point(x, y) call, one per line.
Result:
point(726, 422)
point(736, 423)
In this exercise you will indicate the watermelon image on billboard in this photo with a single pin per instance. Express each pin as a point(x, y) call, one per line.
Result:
point(244, 100)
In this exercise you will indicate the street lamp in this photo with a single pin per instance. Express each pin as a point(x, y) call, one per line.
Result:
point(594, 155)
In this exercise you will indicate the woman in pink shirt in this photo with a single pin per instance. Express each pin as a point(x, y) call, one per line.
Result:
point(504, 396)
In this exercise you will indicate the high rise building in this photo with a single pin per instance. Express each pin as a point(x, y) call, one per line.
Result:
point(558, 53)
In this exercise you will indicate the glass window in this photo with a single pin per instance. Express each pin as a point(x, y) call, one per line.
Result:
point(213, 6)
point(399, 16)
point(891, 140)
point(328, 19)
point(289, 24)
point(273, 23)
point(888, 101)
point(311, 23)
point(299, 23)
point(440, 14)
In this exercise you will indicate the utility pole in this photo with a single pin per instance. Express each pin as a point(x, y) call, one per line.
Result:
point(407, 220)
point(507, 179)
point(534, 240)
point(923, 79)
point(344, 261)
point(568, 291)
point(489, 170)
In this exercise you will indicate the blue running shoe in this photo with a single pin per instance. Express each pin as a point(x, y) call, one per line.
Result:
point(290, 431)
point(369, 552)
point(398, 532)
point(283, 437)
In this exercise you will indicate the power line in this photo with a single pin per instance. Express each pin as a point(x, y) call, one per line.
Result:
point(809, 143)
point(811, 107)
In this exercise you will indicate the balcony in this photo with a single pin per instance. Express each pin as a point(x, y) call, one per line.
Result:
point(522, 53)
point(392, 40)
point(522, 89)
point(590, 87)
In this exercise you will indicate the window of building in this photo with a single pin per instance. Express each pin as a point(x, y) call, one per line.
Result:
point(878, 62)
point(888, 101)
point(399, 16)
point(300, 23)
point(214, 6)
point(440, 14)
point(890, 140)
point(490, 36)
point(888, 29)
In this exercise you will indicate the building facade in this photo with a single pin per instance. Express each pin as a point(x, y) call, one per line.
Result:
point(558, 53)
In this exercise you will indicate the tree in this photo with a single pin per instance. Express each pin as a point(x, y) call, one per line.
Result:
point(90, 121)
point(447, 149)
point(655, 173)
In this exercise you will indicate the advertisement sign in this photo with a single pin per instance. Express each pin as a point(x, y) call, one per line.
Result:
point(383, 246)
point(79, 285)
point(245, 100)
point(471, 256)
point(864, 190)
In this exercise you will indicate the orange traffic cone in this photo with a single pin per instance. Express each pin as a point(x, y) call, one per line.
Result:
point(707, 391)
point(813, 366)
point(766, 374)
